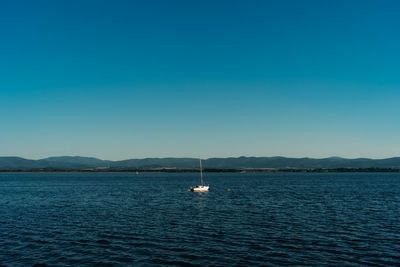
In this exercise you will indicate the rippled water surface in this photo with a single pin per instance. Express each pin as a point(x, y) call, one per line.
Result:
point(151, 219)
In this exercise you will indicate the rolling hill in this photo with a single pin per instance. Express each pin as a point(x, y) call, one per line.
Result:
point(85, 163)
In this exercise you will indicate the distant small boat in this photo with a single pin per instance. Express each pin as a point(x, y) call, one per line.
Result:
point(201, 187)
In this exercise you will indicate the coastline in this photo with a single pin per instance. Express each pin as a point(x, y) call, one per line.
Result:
point(172, 170)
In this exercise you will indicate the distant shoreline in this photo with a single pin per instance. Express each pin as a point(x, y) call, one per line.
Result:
point(172, 170)
point(239, 164)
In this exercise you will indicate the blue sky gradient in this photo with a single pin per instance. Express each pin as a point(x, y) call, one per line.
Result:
point(134, 79)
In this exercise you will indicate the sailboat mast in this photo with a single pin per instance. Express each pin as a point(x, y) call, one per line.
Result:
point(201, 174)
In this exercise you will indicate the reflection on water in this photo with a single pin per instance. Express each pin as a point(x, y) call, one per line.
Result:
point(201, 199)
point(150, 219)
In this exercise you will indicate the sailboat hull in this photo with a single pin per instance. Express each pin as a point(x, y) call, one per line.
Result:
point(199, 188)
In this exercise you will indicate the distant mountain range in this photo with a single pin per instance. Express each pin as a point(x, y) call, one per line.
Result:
point(240, 163)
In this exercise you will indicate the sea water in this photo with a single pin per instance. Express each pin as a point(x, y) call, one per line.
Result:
point(150, 219)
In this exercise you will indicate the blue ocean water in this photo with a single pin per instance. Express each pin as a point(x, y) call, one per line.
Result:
point(150, 219)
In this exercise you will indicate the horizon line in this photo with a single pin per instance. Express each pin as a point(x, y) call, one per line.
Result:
point(191, 157)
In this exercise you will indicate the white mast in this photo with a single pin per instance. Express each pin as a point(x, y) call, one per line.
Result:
point(201, 174)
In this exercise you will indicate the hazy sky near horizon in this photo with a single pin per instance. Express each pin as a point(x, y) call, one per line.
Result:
point(134, 79)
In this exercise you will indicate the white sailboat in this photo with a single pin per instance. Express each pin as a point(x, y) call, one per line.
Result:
point(201, 187)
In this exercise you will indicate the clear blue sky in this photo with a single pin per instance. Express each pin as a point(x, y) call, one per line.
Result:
point(130, 79)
